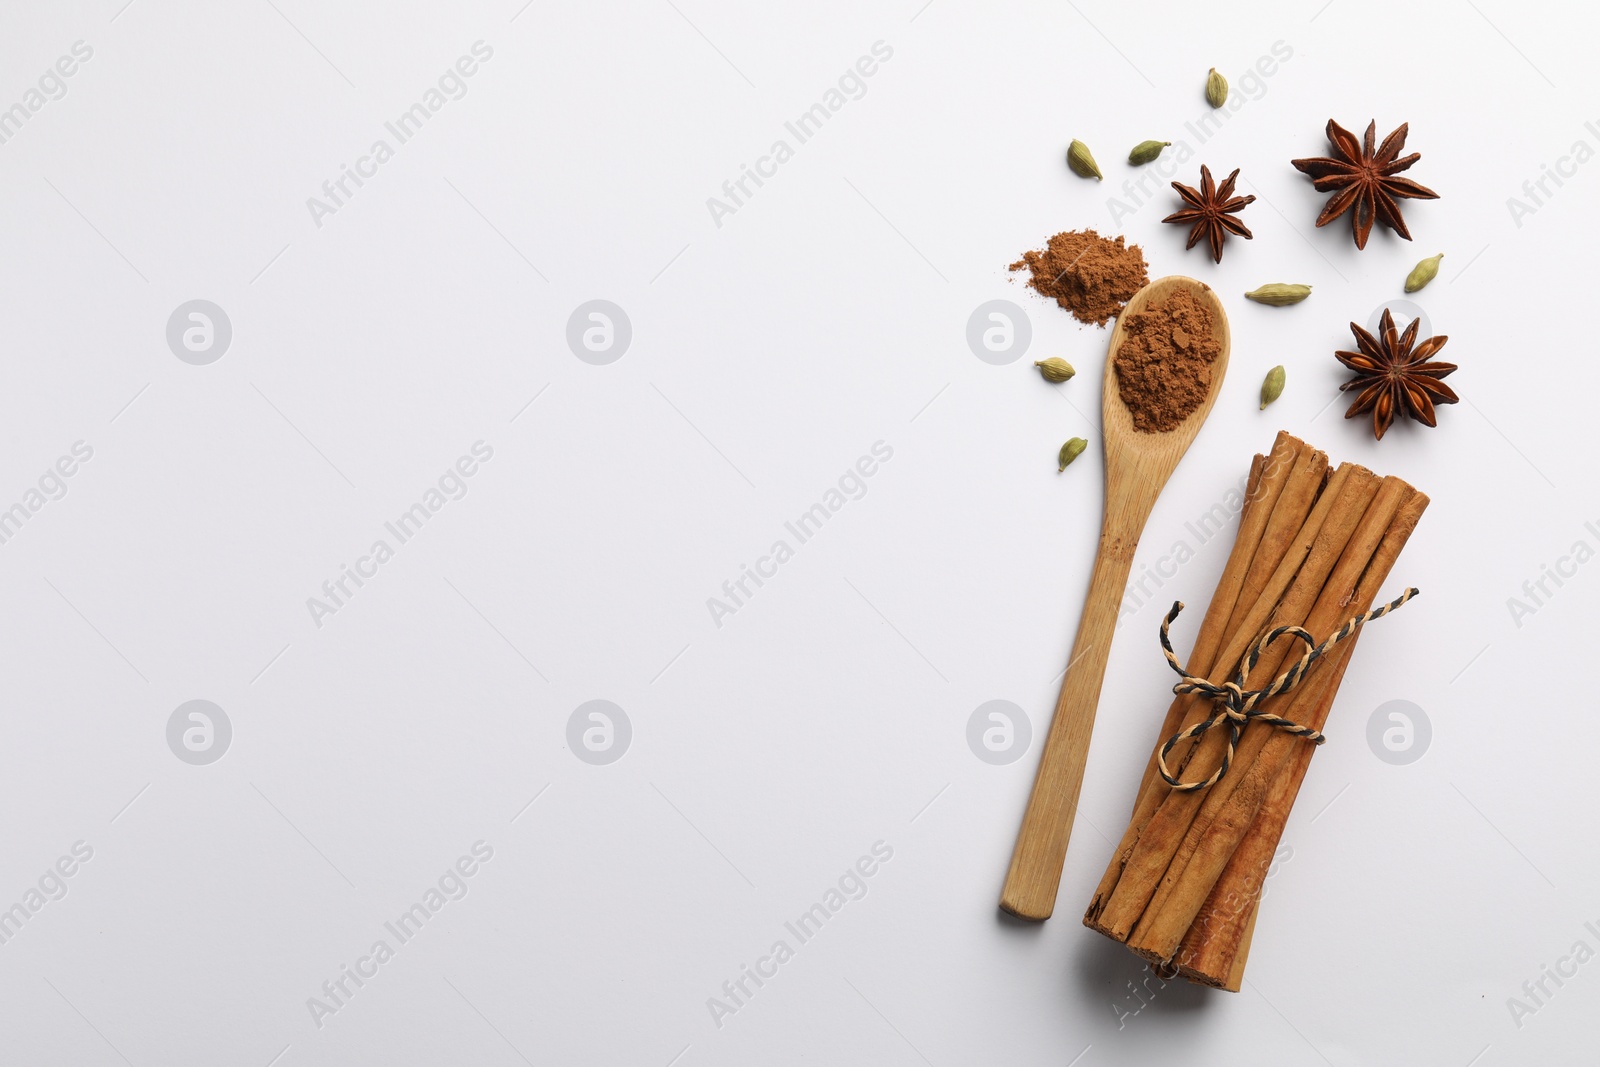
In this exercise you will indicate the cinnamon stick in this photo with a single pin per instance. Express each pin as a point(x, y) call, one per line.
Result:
point(1292, 476)
point(1346, 488)
point(1299, 577)
point(1222, 824)
point(1288, 519)
point(1214, 949)
point(1224, 812)
point(1228, 918)
point(1235, 980)
point(1269, 475)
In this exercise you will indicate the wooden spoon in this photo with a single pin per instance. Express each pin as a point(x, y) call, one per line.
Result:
point(1137, 466)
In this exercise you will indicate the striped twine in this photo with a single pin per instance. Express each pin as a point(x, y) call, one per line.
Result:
point(1237, 705)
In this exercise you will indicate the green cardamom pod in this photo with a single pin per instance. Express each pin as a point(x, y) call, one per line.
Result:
point(1423, 273)
point(1272, 387)
point(1055, 369)
point(1082, 163)
point(1216, 89)
point(1279, 294)
point(1146, 152)
point(1071, 451)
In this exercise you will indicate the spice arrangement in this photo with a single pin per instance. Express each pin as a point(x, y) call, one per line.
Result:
point(1315, 544)
point(1093, 277)
point(1313, 548)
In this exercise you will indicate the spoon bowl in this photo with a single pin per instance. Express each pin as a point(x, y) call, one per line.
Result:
point(1156, 454)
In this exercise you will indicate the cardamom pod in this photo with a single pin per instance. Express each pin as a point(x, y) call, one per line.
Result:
point(1216, 89)
point(1423, 273)
point(1055, 369)
point(1272, 387)
point(1070, 451)
point(1081, 162)
point(1146, 152)
point(1279, 294)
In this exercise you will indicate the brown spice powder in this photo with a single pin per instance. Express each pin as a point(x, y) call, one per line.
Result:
point(1164, 363)
point(1089, 275)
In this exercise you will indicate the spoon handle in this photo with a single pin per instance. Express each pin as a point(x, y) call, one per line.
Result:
point(1035, 874)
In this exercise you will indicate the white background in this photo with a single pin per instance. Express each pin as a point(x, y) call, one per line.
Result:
point(768, 354)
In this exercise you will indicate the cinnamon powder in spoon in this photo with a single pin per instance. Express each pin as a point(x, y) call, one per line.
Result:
point(1164, 363)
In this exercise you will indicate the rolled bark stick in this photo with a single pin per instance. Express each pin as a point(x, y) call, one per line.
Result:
point(1203, 956)
point(1229, 915)
point(1287, 520)
point(1214, 949)
point(1223, 812)
point(1295, 582)
point(1268, 476)
point(1302, 470)
point(1299, 578)
point(1215, 835)
point(1351, 536)
point(1235, 980)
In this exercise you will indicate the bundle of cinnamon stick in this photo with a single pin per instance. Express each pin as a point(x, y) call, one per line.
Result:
point(1313, 548)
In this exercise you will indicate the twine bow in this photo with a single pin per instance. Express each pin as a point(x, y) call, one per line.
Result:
point(1236, 705)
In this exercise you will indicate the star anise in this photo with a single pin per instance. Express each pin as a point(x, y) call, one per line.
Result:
point(1363, 178)
point(1394, 378)
point(1211, 210)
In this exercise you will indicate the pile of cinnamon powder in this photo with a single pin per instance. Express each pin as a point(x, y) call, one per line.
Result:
point(1089, 275)
point(1164, 364)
